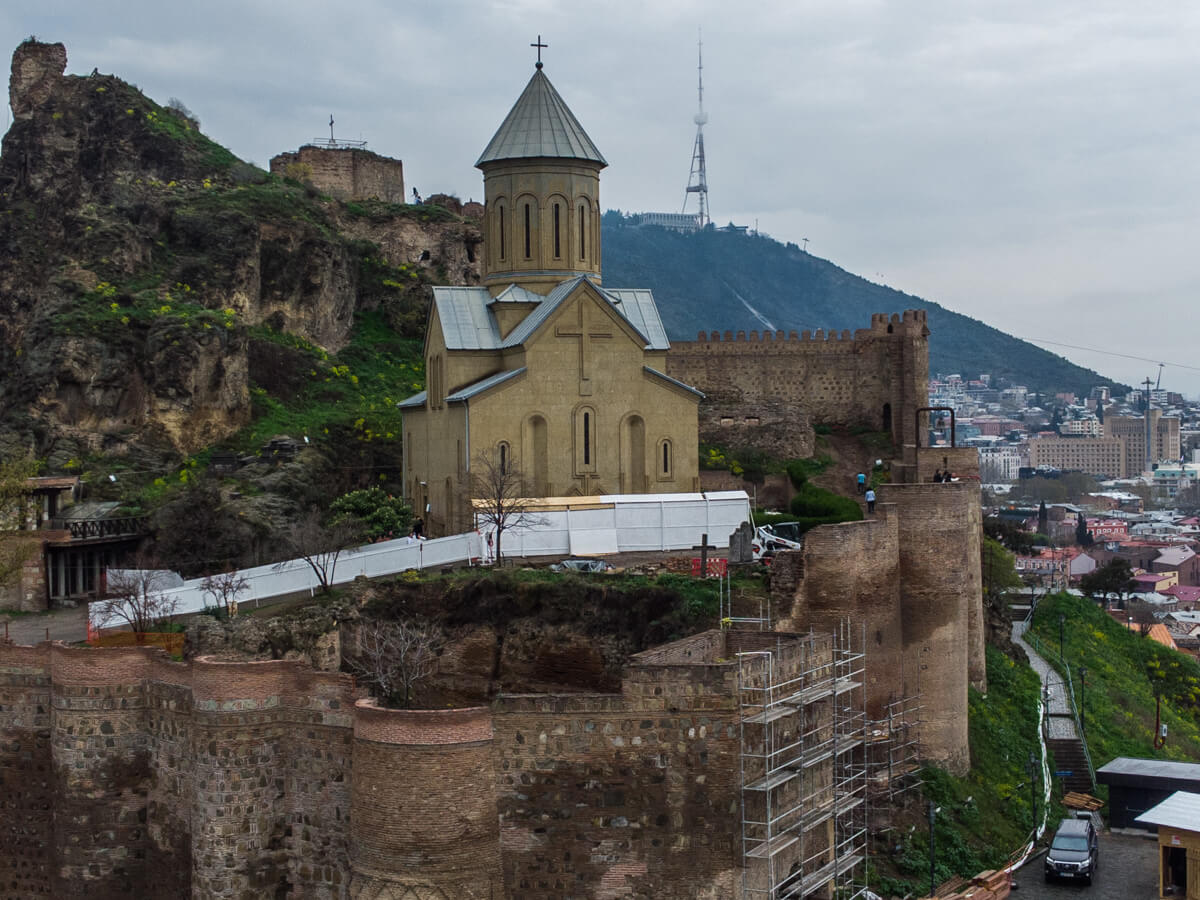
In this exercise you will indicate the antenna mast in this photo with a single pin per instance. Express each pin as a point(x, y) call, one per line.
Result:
point(698, 179)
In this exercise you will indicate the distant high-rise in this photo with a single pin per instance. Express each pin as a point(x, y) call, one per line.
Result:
point(698, 178)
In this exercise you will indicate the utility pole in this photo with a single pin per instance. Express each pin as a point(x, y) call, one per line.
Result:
point(932, 814)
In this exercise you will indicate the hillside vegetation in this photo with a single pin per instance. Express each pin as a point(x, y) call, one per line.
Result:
point(708, 281)
point(1125, 671)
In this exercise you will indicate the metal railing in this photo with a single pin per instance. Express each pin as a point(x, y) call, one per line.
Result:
point(90, 529)
point(1046, 653)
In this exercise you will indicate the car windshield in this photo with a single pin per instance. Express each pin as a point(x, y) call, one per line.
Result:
point(1070, 842)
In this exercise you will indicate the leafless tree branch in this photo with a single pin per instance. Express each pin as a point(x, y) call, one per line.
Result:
point(392, 657)
point(501, 495)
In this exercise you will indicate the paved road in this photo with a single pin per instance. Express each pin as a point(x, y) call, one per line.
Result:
point(68, 625)
point(1128, 871)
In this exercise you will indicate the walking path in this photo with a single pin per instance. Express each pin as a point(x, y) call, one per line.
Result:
point(1060, 721)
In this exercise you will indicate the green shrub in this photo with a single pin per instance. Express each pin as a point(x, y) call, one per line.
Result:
point(813, 506)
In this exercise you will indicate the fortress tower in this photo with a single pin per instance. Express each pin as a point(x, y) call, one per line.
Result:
point(423, 811)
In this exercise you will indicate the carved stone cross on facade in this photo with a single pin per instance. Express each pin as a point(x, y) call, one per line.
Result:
point(586, 333)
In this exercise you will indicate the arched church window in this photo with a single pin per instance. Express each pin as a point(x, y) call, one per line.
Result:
point(528, 231)
point(585, 439)
point(557, 231)
point(665, 455)
point(501, 217)
point(502, 453)
point(582, 231)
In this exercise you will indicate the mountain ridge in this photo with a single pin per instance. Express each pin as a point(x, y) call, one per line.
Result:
point(715, 280)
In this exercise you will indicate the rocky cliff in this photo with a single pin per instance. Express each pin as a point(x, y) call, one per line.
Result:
point(140, 261)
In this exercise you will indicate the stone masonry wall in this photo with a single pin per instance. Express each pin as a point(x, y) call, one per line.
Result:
point(347, 173)
point(761, 389)
point(851, 571)
point(938, 542)
point(129, 775)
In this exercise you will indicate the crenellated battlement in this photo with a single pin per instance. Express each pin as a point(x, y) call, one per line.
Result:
point(895, 326)
point(873, 377)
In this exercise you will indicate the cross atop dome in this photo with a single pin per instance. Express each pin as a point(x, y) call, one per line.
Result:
point(540, 46)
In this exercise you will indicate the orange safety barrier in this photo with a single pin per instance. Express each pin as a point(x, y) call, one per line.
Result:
point(172, 642)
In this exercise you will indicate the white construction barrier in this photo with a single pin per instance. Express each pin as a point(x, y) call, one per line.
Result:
point(616, 523)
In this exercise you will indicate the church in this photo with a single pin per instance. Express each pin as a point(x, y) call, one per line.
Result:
point(541, 369)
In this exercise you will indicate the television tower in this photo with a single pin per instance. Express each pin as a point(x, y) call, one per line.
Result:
point(698, 179)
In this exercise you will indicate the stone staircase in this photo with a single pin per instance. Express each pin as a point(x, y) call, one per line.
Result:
point(1070, 757)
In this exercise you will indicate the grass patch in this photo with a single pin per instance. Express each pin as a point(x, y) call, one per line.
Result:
point(1124, 670)
point(353, 392)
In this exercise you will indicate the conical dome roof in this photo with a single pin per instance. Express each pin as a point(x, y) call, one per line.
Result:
point(540, 125)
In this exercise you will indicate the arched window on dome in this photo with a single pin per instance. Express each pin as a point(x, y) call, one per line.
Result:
point(558, 231)
point(528, 231)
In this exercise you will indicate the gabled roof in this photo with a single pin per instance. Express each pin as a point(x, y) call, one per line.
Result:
point(676, 382)
point(468, 324)
point(540, 124)
point(1174, 556)
point(472, 390)
point(416, 401)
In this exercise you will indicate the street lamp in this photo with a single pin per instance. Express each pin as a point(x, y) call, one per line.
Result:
point(1083, 698)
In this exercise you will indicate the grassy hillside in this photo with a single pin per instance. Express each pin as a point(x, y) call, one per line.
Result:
point(707, 281)
point(1124, 671)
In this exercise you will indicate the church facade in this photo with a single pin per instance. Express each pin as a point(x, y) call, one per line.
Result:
point(542, 370)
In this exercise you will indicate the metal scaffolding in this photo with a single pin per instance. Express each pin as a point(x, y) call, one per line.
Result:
point(803, 771)
point(893, 760)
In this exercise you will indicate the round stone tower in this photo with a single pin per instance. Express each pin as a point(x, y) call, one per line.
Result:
point(541, 185)
point(423, 804)
point(938, 535)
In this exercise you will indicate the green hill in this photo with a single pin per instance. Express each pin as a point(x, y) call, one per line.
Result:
point(711, 281)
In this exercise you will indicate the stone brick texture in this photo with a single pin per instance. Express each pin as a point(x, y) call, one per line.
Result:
point(346, 173)
point(768, 390)
point(126, 774)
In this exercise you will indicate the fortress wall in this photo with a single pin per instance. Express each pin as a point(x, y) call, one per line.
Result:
point(936, 551)
point(631, 796)
point(348, 173)
point(27, 859)
point(852, 571)
point(844, 379)
point(101, 752)
point(424, 804)
point(129, 775)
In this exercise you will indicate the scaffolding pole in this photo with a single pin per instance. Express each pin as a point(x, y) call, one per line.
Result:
point(802, 717)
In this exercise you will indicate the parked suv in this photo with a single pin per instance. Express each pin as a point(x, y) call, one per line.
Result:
point(1074, 852)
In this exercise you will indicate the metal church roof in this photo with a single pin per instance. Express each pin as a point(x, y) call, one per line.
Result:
point(540, 124)
point(468, 323)
point(479, 387)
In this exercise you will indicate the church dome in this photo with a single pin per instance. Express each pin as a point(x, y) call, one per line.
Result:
point(540, 125)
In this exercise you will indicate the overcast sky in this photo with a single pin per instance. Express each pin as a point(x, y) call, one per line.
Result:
point(1031, 163)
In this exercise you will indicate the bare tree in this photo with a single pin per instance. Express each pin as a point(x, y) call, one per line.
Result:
point(320, 545)
point(500, 494)
point(224, 589)
point(134, 597)
point(391, 657)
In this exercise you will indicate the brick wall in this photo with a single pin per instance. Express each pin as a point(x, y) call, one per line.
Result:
point(766, 390)
point(346, 173)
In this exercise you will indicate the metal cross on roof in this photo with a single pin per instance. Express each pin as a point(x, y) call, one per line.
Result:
point(540, 46)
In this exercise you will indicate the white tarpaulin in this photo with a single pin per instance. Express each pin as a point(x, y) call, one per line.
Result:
point(614, 523)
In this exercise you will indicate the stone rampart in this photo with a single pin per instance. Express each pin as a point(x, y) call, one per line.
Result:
point(873, 377)
point(851, 572)
point(938, 538)
point(347, 173)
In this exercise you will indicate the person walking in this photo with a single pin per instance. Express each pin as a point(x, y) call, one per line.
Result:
point(870, 501)
point(862, 482)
